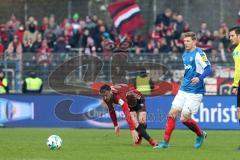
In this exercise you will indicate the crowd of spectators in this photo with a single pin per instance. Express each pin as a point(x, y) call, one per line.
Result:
point(45, 37)
point(167, 37)
point(42, 38)
point(43, 41)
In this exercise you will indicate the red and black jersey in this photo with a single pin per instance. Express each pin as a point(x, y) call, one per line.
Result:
point(125, 96)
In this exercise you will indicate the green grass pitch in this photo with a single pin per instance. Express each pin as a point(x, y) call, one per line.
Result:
point(102, 144)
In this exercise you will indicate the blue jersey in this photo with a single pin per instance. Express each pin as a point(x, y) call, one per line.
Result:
point(194, 64)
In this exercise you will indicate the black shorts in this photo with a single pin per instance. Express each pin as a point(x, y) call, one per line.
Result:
point(139, 107)
point(238, 97)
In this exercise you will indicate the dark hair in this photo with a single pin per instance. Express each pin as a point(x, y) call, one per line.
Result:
point(105, 88)
point(236, 29)
point(190, 34)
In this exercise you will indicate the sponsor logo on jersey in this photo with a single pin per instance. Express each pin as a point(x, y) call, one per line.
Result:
point(204, 58)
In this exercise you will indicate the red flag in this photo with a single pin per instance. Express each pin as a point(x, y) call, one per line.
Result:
point(126, 16)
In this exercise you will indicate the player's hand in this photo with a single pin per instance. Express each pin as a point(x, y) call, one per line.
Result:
point(134, 135)
point(195, 80)
point(238, 113)
point(235, 90)
point(117, 130)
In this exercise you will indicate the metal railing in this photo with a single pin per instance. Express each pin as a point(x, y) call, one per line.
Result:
point(82, 69)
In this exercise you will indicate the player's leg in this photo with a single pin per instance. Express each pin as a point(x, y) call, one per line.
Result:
point(142, 119)
point(238, 106)
point(176, 108)
point(134, 118)
point(190, 123)
point(141, 112)
point(170, 125)
point(139, 127)
point(171, 122)
point(238, 103)
point(140, 106)
point(191, 107)
point(171, 119)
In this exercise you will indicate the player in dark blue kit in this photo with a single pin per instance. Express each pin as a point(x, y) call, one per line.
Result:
point(190, 94)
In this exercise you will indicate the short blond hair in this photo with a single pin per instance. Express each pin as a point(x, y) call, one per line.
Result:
point(190, 34)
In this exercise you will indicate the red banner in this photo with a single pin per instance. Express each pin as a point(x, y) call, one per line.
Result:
point(126, 16)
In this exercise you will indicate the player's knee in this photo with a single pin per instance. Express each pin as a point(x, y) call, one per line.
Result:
point(173, 113)
point(185, 117)
point(142, 121)
point(136, 124)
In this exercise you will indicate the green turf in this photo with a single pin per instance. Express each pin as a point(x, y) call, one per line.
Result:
point(94, 144)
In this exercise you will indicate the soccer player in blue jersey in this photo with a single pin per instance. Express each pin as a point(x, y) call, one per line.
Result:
point(190, 94)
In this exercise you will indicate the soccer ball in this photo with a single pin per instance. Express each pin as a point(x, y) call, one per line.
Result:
point(54, 142)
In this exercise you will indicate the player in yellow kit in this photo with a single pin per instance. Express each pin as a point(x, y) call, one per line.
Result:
point(234, 36)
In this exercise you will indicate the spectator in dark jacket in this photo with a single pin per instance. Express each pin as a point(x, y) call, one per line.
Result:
point(164, 18)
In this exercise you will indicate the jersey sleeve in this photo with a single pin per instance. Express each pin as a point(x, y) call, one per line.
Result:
point(126, 112)
point(113, 116)
point(112, 113)
point(201, 60)
point(207, 72)
point(237, 71)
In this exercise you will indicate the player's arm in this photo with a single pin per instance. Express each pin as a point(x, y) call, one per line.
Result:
point(111, 112)
point(236, 73)
point(236, 82)
point(202, 60)
point(207, 71)
point(128, 118)
point(127, 114)
point(113, 116)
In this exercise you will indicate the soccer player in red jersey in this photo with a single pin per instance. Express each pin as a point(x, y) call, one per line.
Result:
point(133, 106)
